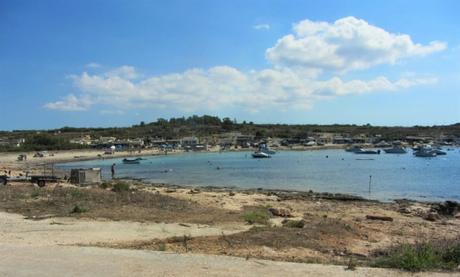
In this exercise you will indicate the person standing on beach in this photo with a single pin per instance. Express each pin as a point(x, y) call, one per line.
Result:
point(112, 169)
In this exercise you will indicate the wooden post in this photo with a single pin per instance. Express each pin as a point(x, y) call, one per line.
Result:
point(370, 181)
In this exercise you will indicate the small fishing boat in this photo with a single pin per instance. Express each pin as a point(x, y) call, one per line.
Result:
point(260, 155)
point(353, 149)
point(439, 152)
point(395, 150)
point(367, 151)
point(131, 160)
point(264, 148)
point(425, 152)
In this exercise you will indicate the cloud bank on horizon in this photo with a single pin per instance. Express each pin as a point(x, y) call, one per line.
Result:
point(308, 65)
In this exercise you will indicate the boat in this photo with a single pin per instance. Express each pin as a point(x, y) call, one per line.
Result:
point(439, 152)
point(383, 144)
point(260, 155)
point(354, 148)
point(425, 152)
point(367, 151)
point(264, 148)
point(131, 160)
point(395, 150)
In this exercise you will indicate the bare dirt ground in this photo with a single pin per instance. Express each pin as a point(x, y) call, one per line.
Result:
point(70, 231)
point(215, 222)
point(333, 232)
point(50, 261)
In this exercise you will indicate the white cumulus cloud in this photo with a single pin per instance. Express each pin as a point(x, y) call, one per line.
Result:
point(261, 26)
point(295, 81)
point(347, 44)
point(71, 103)
point(220, 87)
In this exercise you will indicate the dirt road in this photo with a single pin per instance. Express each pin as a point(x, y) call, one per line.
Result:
point(24, 260)
point(41, 248)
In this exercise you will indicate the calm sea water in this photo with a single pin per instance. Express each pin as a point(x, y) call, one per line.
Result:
point(393, 176)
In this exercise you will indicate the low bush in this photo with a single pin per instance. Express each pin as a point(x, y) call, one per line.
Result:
point(76, 193)
point(35, 194)
point(105, 185)
point(257, 216)
point(78, 210)
point(120, 187)
point(440, 254)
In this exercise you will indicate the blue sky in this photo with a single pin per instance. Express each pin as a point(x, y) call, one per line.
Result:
point(116, 63)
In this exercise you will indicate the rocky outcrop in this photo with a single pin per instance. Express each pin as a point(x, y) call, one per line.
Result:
point(448, 208)
point(280, 212)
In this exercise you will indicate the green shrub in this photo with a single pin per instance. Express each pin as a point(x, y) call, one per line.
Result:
point(451, 254)
point(257, 216)
point(78, 210)
point(442, 254)
point(105, 185)
point(76, 193)
point(120, 187)
point(35, 194)
point(162, 247)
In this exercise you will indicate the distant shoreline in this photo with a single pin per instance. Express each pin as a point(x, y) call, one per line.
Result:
point(65, 156)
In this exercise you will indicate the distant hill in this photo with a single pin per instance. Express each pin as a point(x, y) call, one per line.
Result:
point(204, 126)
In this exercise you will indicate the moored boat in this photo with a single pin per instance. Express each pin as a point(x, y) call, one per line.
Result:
point(354, 148)
point(439, 152)
point(395, 150)
point(367, 151)
point(132, 160)
point(264, 148)
point(425, 152)
point(260, 155)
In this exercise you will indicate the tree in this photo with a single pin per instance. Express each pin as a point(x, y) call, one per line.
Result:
point(227, 123)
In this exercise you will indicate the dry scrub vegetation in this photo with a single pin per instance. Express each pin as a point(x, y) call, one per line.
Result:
point(115, 203)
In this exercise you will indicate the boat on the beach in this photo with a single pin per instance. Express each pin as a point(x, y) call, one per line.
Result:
point(132, 160)
point(395, 150)
point(260, 155)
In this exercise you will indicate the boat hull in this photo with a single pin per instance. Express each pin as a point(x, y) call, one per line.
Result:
point(260, 155)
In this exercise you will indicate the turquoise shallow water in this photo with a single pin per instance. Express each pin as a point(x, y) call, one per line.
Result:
point(393, 176)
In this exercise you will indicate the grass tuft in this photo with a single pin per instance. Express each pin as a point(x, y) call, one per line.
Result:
point(257, 216)
point(35, 194)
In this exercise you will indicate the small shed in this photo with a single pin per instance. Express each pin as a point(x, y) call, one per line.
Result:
point(85, 176)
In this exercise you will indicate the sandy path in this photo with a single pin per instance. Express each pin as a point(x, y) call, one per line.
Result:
point(89, 261)
point(14, 229)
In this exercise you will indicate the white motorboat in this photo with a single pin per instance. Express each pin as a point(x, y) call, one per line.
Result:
point(395, 150)
point(425, 152)
point(260, 155)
